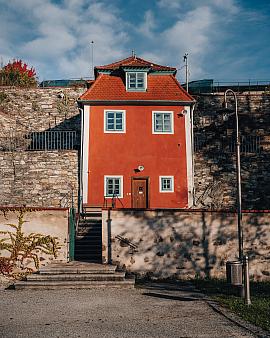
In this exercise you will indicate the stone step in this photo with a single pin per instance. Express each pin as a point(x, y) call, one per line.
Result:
point(86, 236)
point(53, 285)
point(93, 258)
point(84, 267)
point(90, 223)
point(117, 276)
point(91, 214)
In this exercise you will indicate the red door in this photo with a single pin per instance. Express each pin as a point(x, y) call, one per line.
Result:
point(140, 193)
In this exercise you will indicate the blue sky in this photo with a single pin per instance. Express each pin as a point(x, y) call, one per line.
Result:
point(225, 39)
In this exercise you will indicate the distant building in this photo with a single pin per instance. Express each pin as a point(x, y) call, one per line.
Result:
point(137, 137)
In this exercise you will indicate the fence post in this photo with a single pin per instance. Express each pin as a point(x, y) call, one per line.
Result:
point(72, 223)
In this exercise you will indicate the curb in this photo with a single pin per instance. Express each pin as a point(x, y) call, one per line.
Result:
point(258, 332)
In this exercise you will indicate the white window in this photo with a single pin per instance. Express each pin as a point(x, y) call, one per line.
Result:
point(114, 121)
point(113, 186)
point(162, 122)
point(136, 81)
point(166, 184)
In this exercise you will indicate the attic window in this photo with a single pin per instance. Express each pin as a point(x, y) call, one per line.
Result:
point(136, 81)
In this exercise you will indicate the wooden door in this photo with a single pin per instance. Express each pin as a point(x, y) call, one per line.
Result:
point(140, 193)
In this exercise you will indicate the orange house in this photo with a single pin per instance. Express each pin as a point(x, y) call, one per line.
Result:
point(136, 137)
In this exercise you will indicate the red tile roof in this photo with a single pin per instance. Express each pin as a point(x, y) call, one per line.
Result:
point(134, 61)
point(159, 88)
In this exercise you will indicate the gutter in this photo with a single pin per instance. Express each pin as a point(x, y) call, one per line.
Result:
point(137, 102)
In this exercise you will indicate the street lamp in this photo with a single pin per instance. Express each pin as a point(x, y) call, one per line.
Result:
point(245, 292)
point(238, 169)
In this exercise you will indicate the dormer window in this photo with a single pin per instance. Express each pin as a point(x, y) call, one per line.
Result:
point(136, 81)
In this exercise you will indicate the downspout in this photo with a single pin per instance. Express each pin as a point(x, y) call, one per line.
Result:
point(81, 162)
point(192, 152)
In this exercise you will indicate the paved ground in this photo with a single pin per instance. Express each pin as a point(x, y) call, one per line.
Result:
point(154, 311)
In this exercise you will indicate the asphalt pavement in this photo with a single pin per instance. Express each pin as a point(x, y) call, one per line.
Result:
point(154, 310)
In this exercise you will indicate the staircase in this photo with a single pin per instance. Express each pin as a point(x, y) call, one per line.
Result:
point(76, 275)
point(88, 242)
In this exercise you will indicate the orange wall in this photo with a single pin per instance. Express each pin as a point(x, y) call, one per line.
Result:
point(120, 154)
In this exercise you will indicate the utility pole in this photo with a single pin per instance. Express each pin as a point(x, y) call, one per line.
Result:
point(92, 59)
point(186, 66)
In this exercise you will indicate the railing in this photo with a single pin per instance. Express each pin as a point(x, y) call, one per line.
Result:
point(45, 140)
point(249, 144)
point(113, 200)
point(211, 86)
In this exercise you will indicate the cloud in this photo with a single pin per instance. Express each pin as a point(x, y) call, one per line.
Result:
point(61, 34)
point(170, 4)
point(148, 25)
point(55, 36)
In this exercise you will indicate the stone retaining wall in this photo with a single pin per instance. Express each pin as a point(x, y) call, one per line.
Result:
point(39, 178)
point(215, 169)
point(184, 244)
point(38, 109)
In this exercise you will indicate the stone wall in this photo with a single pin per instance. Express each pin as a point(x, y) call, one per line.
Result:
point(39, 178)
point(53, 222)
point(184, 244)
point(38, 109)
point(215, 164)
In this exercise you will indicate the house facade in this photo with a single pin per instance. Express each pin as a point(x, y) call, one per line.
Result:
point(136, 137)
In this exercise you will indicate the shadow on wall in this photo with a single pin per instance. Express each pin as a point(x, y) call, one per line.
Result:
point(185, 244)
point(215, 172)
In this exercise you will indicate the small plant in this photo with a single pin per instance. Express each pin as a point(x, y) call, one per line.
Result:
point(22, 247)
point(6, 266)
point(3, 97)
point(17, 73)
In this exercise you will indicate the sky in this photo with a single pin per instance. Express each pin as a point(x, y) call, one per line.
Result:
point(226, 40)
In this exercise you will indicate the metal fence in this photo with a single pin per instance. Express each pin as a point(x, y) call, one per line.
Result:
point(249, 144)
point(211, 86)
point(45, 140)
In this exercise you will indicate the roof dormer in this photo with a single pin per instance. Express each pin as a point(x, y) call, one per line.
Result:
point(136, 79)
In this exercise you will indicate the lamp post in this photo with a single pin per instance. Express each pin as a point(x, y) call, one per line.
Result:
point(238, 169)
point(245, 290)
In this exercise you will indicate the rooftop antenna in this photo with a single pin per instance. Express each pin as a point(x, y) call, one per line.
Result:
point(185, 57)
point(133, 53)
point(92, 60)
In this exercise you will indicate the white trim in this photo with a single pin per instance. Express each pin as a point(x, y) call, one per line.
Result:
point(153, 122)
point(160, 184)
point(136, 89)
point(124, 122)
point(121, 185)
point(85, 151)
point(189, 155)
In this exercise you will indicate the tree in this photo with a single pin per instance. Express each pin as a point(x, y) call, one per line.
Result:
point(18, 73)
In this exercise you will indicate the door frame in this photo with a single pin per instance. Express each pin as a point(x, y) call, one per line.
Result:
point(147, 178)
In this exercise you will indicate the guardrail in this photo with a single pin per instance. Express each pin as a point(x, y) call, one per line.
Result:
point(42, 141)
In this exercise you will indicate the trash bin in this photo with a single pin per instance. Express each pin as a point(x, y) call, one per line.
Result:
point(234, 272)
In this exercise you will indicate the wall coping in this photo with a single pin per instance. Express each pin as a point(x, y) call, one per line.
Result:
point(29, 208)
point(188, 210)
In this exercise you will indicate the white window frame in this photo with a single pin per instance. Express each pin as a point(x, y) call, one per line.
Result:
point(160, 183)
point(136, 89)
point(123, 121)
point(121, 185)
point(153, 122)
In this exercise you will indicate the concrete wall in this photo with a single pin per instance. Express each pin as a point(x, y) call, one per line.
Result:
point(53, 222)
point(184, 244)
point(39, 178)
